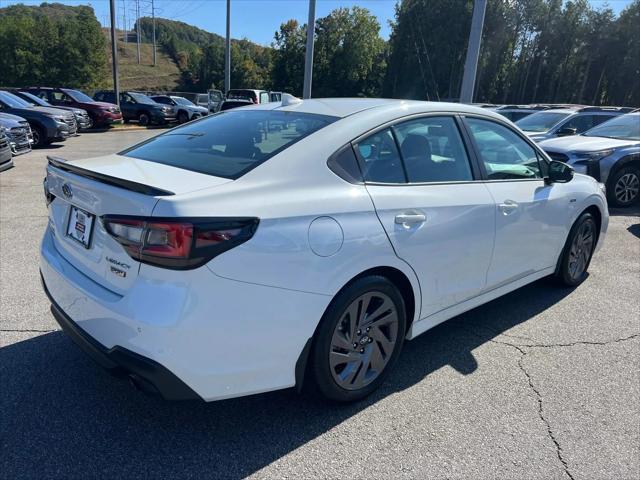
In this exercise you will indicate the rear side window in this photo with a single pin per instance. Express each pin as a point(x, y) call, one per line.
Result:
point(229, 144)
point(433, 151)
point(380, 158)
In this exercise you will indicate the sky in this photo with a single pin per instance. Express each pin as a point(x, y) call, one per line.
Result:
point(256, 20)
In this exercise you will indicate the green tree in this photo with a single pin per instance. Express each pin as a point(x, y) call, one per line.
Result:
point(287, 71)
point(427, 47)
point(52, 44)
point(349, 55)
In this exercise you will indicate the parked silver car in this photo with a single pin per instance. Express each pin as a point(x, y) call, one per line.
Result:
point(18, 133)
point(6, 157)
point(563, 122)
point(185, 109)
point(609, 152)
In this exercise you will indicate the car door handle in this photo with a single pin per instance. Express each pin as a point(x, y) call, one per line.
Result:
point(410, 218)
point(508, 207)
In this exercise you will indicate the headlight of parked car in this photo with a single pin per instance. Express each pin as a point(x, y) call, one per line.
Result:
point(592, 156)
point(59, 120)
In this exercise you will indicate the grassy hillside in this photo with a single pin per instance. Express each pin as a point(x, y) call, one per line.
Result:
point(164, 76)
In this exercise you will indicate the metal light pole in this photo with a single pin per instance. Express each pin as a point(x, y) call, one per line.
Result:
point(124, 20)
point(138, 28)
point(153, 19)
point(114, 51)
point(308, 58)
point(473, 52)
point(227, 52)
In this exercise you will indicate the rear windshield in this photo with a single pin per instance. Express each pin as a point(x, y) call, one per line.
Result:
point(541, 121)
point(231, 143)
point(78, 96)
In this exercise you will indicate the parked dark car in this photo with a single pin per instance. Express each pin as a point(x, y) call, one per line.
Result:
point(6, 157)
point(234, 103)
point(18, 132)
point(82, 116)
point(101, 113)
point(47, 124)
point(139, 107)
point(185, 109)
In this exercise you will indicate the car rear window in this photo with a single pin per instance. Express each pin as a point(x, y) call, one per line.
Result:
point(231, 143)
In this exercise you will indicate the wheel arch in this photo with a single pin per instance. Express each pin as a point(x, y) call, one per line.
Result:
point(630, 159)
point(594, 210)
point(410, 294)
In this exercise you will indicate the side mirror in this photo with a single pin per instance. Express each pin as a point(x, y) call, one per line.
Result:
point(566, 132)
point(559, 172)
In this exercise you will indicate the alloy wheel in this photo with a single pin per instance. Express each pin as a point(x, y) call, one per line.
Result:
point(627, 187)
point(37, 138)
point(363, 340)
point(581, 249)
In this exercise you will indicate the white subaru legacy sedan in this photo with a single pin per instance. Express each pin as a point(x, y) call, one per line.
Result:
point(303, 241)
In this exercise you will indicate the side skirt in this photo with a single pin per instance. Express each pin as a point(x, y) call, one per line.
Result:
point(437, 318)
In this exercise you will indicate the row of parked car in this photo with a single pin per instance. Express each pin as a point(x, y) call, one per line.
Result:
point(37, 116)
point(603, 142)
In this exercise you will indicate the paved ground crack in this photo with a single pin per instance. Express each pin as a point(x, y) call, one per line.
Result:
point(541, 413)
point(586, 342)
point(546, 345)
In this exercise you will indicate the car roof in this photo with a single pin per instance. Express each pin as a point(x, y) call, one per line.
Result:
point(344, 107)
point(558, 110)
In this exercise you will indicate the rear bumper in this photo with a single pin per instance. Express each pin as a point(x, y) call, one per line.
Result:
point(222, 338)
point(146, 373)
point(106, 118)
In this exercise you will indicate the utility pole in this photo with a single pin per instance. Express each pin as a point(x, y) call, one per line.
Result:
point(308, 57)
point(153, 19)
point(473, 52)
point(138, 28)
point(227, 52)
point(114, 50)
point(124, 20)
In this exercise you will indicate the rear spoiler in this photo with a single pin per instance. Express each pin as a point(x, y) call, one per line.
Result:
point(62, 164)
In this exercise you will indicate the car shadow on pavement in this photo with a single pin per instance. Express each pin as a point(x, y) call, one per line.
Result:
point(64, 417)
point(633, 210)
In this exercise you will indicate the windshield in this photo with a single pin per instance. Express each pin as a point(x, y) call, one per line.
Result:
point(182, 101)
point(624, 127)
point(78, 96)
point(12, 101)
point(229, 144)
point(541, 121)
point(35, 99)
point(142, 98)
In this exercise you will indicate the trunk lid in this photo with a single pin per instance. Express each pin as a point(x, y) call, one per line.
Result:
point(85, 190)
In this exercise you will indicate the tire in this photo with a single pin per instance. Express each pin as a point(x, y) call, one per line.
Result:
point(144, 119)
point(183, 117)
point(341, 349)
point(623, 187)
point(39, 137)
point(578, 250)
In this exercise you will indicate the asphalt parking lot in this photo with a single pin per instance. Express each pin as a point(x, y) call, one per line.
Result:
point(541, 384)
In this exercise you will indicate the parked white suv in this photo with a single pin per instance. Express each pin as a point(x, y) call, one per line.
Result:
point(227, 257)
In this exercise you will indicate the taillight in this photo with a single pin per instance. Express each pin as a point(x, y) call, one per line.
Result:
point(48, 196)
point(176, 242)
